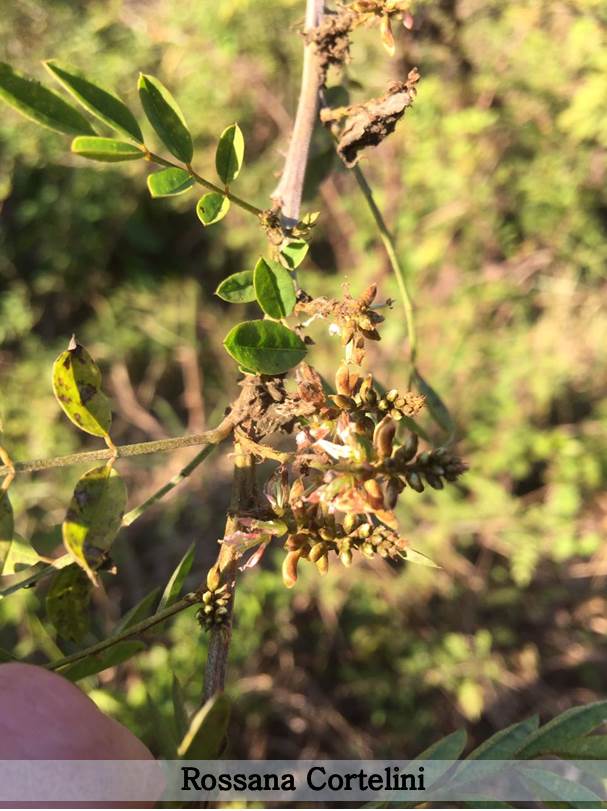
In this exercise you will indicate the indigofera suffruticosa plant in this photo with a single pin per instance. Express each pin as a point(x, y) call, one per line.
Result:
point(354, 447)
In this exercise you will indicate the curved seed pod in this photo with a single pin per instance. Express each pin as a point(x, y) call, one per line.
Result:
point(390, 489)
point(346, 379)
point(375, 497)
point(414, 481)
point(407, 451)
point(289, 569)
point(383, 437)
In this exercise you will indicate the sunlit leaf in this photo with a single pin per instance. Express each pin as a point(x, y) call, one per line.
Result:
point(169, 182)
point(265, 347)
point(38, 103)
point(205, 738)
point(97, 662)
point(99, 101)
point(293, 253)
point(94, 517)
point(77, 387)
point(107, 150)
point(67, 602)
point(174, 586)
point(274, 289)
point(166, 118)
point(212, 207)
point(413, 556)
point(16, 555)
point(230, 154)
point(237, 288)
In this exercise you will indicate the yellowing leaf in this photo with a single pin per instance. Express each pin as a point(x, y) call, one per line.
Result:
point(77, 387)
point(94, 517)
point(15, 555)
point(67, 602)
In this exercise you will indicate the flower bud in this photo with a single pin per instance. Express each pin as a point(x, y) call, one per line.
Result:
point(213, 578)
point(346, 557)
point(317, 551)
point(414, 481)
point(322, 564)
point(434, 481)
point(390, 489)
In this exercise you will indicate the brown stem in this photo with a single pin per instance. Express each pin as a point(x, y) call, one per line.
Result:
point(213, 437)
point(289, 190)
point(243, 497)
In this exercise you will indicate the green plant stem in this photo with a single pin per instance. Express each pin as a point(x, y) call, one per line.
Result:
point(140, 627)
point(213, 437)
point(243, 497)
point(238, 201)
point(390, 248)
point(136, 512)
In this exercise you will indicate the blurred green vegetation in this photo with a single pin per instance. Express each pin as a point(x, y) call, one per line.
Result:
point(495, 185)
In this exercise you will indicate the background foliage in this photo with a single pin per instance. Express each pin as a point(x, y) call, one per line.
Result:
point(495, 186)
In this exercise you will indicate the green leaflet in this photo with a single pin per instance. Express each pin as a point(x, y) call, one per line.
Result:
point(97, 100)
point(205, 738)
point(229, 154)
point(108, 150)
point(7, 528)
point(571, 724)
point(169, 182)
point(293, 253)
point(166, 118)
point(67, 602)
point(237, 288)
point(77, 387)
point(142, 610)
point(265, 347)
point(173, 587)
point(94, 517)
point(96, 662)
point(274, 289)
point(39, 104)
point(212, 207)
